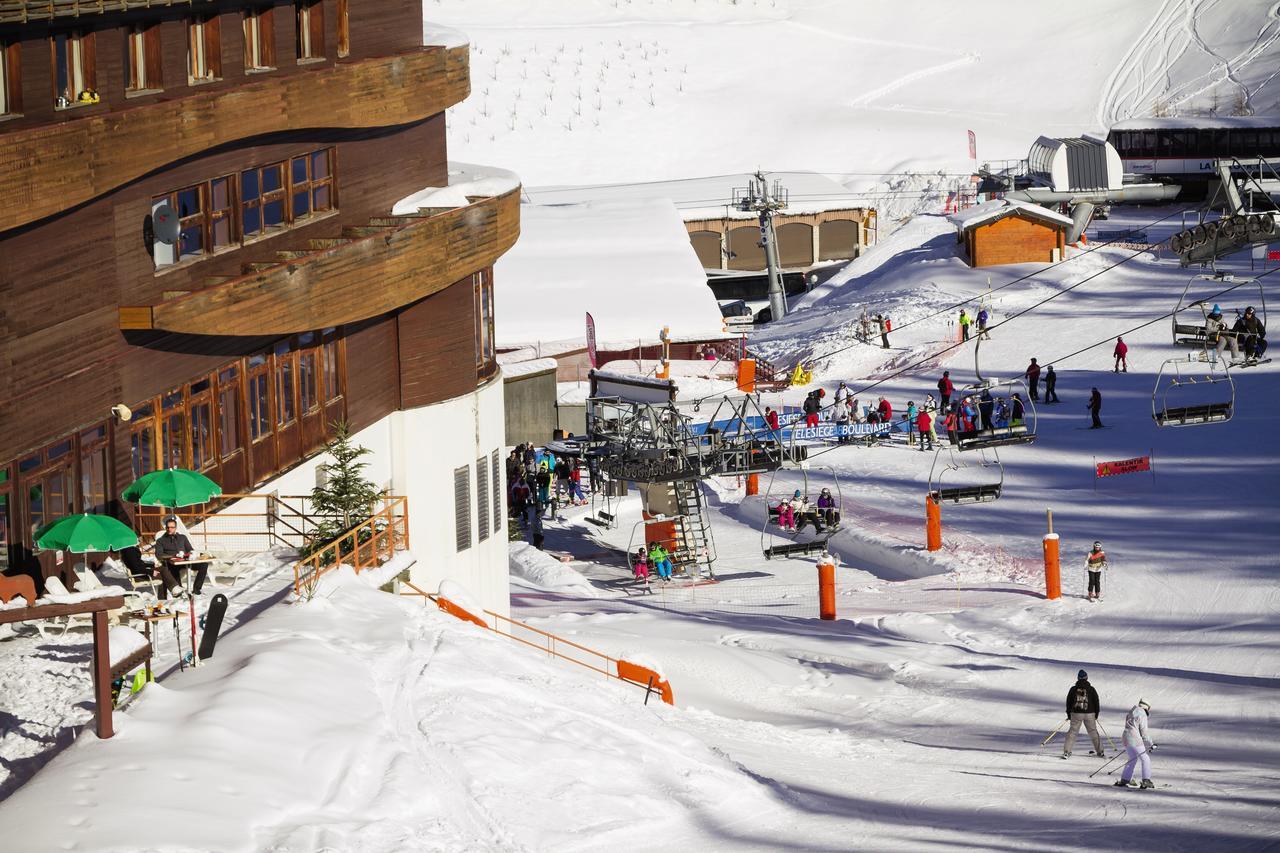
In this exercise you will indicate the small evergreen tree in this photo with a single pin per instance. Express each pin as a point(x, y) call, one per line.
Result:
point(346, 498)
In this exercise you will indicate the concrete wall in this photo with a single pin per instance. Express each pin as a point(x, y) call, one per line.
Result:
point(530, 407)
point(572, 418)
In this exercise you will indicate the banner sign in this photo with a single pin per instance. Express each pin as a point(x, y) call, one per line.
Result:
point(591, 340)
point(1273, 255)
point(973, 146)
point(1124, 466)
point(827, 431)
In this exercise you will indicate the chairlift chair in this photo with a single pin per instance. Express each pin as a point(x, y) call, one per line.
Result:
point(1193, 391)
point(774, 544)
point(1192, 330)
point(969, 493)
point(989, 435)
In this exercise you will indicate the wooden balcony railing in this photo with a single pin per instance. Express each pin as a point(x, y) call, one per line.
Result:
point(395, 261)
point(22, 11)
point(366, 546)
point(54, 167)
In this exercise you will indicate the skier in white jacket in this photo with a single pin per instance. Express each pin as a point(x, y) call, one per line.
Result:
point(1137, 743)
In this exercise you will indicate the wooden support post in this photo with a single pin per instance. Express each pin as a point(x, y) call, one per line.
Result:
point(101, 676)
point(933, 523)
point(1052, 572)
point(826, 587)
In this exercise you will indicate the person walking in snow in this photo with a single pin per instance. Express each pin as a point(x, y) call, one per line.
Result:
point(1032, 373)
point(543, 481)
point(660, 561)
point(1095, 408)
point(885, 326)
point(1050, 386)
point(912, 411)
point(520, 499)
point(1094, 563)
point(945, 388)
point(964, 325)
point(1121, 353)
point(983, 317)
point(1138, 746)
point(812, 404)
point(1082, 708)
point(924, 425)
point(575, 484)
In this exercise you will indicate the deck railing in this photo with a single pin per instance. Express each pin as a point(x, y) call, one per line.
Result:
point(238, 522)
point(367, 545)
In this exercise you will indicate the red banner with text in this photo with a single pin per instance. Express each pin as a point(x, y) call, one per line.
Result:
point(1124, 466)
point(591, 340)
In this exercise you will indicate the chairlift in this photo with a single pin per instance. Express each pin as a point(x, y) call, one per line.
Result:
point(1193, 391)
point(1191, 319)
point(775, 542)
point(950, 491)
point(991, 426)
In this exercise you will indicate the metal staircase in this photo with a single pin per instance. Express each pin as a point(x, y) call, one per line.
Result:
point(695, 547)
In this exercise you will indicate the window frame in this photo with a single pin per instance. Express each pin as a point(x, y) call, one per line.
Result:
point(205, 33)
point(309, 30)
point(259, 40)
point(10, 79)
point(143, 59)
point(82, 68)
point(486, 355)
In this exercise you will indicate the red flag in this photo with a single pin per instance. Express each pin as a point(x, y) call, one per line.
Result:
point(973, 146)
point(591, 339)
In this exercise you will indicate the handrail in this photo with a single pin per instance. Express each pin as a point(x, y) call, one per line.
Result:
point(365, 546)
point(610, 669)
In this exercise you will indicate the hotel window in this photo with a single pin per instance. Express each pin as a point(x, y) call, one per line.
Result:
point(310, 29)
point(308, 377)
point(229, 411)
point(200, 410)
point(332, 388)
point(173, 430)
point(74, 69)
point(310, 184)
point(205, 221)
point(10, 79)
point(262, 199)
point(259, 40)
point(344, 29)
point(204, 49)
point(285, 383)
point(483, 284)
point(143, 61)
point(142, 440)
point(93, 470)
point(259, 390)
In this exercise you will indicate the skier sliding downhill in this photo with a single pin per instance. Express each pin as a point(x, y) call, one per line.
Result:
point(1137, 743)
point(1082, 707)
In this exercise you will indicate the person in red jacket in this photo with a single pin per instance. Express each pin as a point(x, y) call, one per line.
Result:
point(771, 418)
point(886, 411)
point(924, 424)
point(944, 390)
point(1033, 379)
point(1121, 352)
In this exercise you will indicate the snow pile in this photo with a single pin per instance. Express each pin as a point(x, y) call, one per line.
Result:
point(628, 263)
point(345, 575)
point(517, 369)
point(466, 182)
point(541, 570)
point(123, 642)
point(377, 724)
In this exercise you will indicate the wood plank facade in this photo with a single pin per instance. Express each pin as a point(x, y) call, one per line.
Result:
point(1014, 239)
point(287, 297)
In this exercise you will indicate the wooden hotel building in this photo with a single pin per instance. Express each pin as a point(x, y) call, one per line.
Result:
point(196, 226)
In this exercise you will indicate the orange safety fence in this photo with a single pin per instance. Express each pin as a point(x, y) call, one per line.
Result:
point(366, 546)
point(557, 647)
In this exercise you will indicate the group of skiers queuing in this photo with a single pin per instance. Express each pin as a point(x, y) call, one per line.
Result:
point(1083, 708)
point(539, 483)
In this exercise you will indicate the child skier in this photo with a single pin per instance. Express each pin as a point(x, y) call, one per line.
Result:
point(575, 484)
point(1094, 563)
point(659, 560)
point(641, 567)
point(1137, 743)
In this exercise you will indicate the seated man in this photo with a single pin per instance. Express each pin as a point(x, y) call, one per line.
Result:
point(172, 546)
point(145, 572)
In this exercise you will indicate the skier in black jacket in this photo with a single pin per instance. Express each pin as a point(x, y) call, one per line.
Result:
point(1082, 707)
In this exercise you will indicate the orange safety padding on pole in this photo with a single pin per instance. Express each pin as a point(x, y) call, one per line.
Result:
point(932, 524)
point(826, 589)
point(747, 375)
point(1052, 572)
point(460, 612)
point(644, 676)
point(753, 484)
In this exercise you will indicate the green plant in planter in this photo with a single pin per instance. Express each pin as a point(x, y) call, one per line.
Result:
point(347, 498)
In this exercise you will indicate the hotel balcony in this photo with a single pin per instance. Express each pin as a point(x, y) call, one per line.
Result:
point(50, 168)
point(363, 272)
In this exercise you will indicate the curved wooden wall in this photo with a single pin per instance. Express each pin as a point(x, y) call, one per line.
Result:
point(48, 169)
point(357, 280)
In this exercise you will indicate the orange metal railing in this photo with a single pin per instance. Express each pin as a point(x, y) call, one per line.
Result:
point(241, 521)
point(560, 648)
point(366, 546)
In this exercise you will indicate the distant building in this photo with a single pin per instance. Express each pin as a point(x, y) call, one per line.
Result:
point(1010, 232)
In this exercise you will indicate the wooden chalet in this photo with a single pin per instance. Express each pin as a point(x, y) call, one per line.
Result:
point(199, 266)
point(1011, 232)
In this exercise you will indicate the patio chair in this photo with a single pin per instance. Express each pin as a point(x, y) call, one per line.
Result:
point(54, 589)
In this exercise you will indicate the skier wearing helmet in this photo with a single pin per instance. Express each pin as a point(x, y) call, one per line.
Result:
point(1082, 708)
point(1253, 334)
point(1094, 563)
point(1138, 745)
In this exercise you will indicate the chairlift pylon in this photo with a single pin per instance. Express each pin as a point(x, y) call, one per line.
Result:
point(983, 492)
point(774, 544)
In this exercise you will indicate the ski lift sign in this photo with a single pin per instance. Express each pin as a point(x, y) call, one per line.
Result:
point(1137, 465)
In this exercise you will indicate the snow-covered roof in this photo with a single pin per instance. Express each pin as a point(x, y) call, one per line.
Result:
point(990, 211)
point(629, 263)
point(1179, 122)
point(517, 369)
point(466, 180)
point(712, 197)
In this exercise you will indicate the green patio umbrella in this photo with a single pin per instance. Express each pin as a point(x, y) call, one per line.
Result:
point(81, 534)
point(172, 487)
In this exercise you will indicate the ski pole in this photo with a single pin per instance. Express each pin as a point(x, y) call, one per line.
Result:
point(1110, 740)
point(1139, 755)
point(1045, 742)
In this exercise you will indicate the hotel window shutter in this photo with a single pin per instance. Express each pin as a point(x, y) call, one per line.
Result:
point(497, 493)
point(316, 23)
point(267, 32)
point(154, 58)
point(213, 45)
point(89, 56)
point(462, 508)
point(482, 498)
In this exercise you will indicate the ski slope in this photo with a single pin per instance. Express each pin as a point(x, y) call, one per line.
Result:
point(571, 92)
